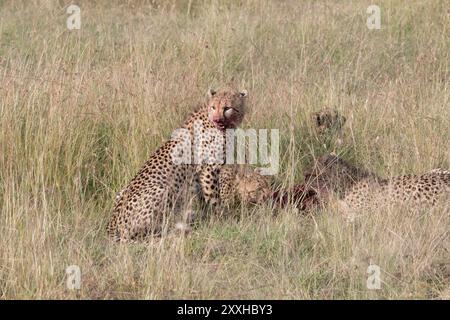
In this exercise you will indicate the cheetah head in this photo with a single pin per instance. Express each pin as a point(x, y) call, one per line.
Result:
point(226, 108)
point(328, 120)
point(253, 187)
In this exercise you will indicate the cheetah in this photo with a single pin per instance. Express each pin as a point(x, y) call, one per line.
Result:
point(328, 121)
point(244, 185)
point(359, 189)
point(250, 187)
point(421, 191)
point(153, 200)
point(328, 125)
point(332, 174)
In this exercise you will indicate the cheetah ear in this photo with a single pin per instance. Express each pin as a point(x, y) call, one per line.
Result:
point(211, 93)
point(243, 93)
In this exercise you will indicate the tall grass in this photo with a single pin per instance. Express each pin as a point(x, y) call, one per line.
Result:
point(81, 110)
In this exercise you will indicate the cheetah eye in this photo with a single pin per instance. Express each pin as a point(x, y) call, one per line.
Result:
point(213, 108)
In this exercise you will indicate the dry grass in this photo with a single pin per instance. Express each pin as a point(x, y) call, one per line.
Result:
point(80, 111)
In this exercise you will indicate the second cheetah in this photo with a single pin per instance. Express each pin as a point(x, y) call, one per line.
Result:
point(360, 189)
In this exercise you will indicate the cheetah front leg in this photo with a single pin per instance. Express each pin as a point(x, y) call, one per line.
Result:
point(227, 185)
point(208, 179)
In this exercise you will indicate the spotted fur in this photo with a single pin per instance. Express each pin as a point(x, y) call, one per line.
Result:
point(421, 191)
point(360, 189)
point(244, 185)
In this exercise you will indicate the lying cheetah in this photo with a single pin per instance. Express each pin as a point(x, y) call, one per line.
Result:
point(244, 185)
point(332, 174)
point(356, 187)
point(251, 187)
point(423, 190)
point(165, 182)
point(360, 189)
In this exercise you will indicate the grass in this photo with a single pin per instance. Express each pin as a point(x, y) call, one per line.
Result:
point(81, 110)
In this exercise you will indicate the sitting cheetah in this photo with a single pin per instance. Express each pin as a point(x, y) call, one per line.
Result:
point(164, 182)
point(360, 189)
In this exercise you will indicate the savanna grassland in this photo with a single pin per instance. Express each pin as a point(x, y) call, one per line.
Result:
point(81, 111)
